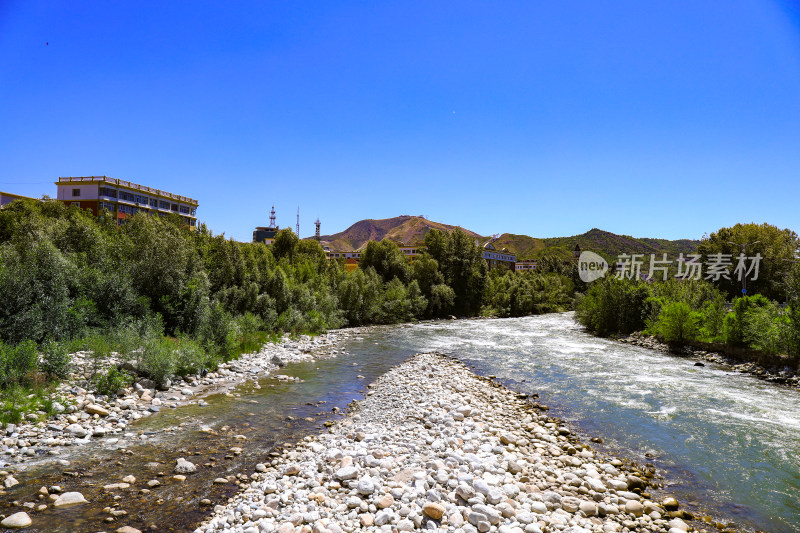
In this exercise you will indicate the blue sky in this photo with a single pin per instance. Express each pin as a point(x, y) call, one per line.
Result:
point(654, 119)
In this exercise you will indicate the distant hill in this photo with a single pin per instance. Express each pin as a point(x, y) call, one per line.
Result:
point(607, 244)
point(406, 229)
point(410, 229)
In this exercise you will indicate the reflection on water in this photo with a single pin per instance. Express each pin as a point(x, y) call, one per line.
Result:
point(274, 414)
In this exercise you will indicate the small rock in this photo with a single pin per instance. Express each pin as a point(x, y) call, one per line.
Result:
point(68, 499)
point(433, 510)
point(94, 409)
point(184, 467)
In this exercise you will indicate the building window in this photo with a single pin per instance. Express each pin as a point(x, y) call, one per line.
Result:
point(153, 202)
point(174, 207)
point(76, 192)
point(106, 191)
point(126, 196)
point(184, 210)
point(163, 205)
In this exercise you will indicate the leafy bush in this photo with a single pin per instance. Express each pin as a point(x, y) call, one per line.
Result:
point(56, 360)
point(767, 328)
point(191, 358)
point(735, 323)
point(112, 381)
point(158, 359)
point(17, 362)
point(614, 306)
point(677, 322)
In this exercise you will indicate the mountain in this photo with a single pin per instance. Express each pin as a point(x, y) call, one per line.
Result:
point(406, 229)
point(607, 244)
point(410, 229)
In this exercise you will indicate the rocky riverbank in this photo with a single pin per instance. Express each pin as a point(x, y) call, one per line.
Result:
point(773, 374)
point(434, 446)
point(85, 416)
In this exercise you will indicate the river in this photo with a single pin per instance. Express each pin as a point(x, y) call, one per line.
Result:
point(727, 441)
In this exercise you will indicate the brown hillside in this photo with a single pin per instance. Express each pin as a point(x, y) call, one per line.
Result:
point(406, 229)
point(410, 229)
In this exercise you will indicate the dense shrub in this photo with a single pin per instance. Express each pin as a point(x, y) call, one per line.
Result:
point(677, 322)
point(56, 360)
point(17, 362)
point(614, 306)
point(112, 381)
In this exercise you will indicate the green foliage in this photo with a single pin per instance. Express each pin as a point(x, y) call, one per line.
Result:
point(767, 328)
point(191, 358)
point(735, 323)
point(360, 296)
point(17, 362)
point(614, 306)
point(778, 248)
point(56, 361)
point(677, 322)
point(387, 260)
point(462, 267)
point(525, 293)
point(112, 381)
point(75, 282)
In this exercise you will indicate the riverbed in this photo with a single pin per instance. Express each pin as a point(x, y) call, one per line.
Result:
point(724, 440)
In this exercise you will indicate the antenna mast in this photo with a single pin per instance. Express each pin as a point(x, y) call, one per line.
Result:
point(316, 236)
point(272, 218)
point(298, 221)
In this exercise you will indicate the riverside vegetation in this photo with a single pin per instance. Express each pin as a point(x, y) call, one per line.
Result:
point(154, 299)
point(711, 314)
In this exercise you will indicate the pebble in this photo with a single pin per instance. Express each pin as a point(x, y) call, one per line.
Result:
point(68, 499)
point(17, 521)
point(184, 467)
point(434, 446)
point(88, 418)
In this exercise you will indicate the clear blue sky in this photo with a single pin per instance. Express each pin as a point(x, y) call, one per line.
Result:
point(649, 118)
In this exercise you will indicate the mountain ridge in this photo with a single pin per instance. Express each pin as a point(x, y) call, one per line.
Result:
point(410, 229)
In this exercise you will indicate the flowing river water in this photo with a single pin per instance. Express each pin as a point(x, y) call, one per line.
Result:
point(727, 441)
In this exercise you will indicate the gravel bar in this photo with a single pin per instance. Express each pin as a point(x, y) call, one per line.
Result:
point(434, 446)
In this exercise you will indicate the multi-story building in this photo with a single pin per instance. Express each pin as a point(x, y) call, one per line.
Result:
point(498, 259)
point(412, 250)
point(123, 199)
point(525, 265)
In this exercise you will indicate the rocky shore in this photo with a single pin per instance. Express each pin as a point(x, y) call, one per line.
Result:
point(86, 417)
point(433, 446)
point(781, 376)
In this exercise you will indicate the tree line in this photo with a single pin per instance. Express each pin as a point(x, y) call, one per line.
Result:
point(767, 318)
point(171, 301)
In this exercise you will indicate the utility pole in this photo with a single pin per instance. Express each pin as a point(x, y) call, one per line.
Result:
point(744, 275)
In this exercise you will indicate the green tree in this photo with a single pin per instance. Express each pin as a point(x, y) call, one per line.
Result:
point(778, 249)
point(387, 260)
point(462, 265)
point(677, 323)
